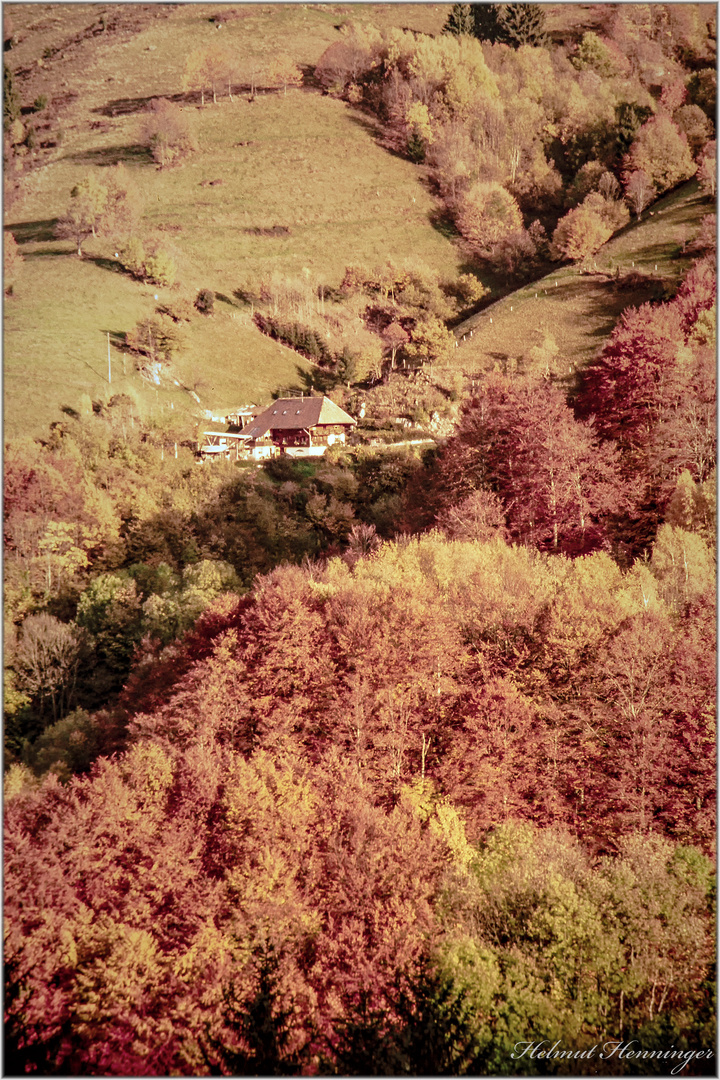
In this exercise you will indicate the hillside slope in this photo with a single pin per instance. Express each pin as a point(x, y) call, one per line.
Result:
point(574, 310)
point(300, 162)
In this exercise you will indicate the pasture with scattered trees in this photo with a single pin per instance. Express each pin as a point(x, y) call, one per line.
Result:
point(390, 761)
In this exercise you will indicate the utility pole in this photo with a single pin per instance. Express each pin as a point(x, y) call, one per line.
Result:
point(109, 367)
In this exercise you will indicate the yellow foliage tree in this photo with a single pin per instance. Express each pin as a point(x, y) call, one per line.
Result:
point(487, 213)
point(579, 234)
point(283, 71)
point(661, 150)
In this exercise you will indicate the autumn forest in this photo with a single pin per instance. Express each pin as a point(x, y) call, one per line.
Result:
point(400, 760)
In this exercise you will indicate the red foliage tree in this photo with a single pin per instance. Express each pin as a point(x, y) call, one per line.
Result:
point(501, 762)
point(554, 478)
point(651, 760)
point(652, 390)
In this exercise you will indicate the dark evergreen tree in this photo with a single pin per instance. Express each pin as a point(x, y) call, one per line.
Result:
point(521, 24)
point(460, 20)
point(429, 1029)
point(261, 1026)
point(11, 100)
point(486, 21)
point(510, 24)
point(629, 118)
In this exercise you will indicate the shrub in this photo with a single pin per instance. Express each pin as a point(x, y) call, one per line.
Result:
point(133, 257)
point(303, 339)
point(11, 99)
point(161, 268)
point(167, 132)
point(205, 301)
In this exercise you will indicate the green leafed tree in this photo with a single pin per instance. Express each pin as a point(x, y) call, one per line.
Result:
point(283, 71)
point(156, 338)
point(161, 268)
point(430, 342)
point(124, 205)
point(695, 125)
point(596, 55)
point(208, 69)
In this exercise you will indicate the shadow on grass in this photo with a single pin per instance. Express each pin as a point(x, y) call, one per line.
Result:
point(33, 232)
point(132, 105)
point(661, 252)
point(272, 230)
point(443, 223)
point(117, 338)
point(128, 106)
point(366, 122)
point(112, 155)
point(313, 382)
point(48, 253)
point(225, 299)
point(113, 265)
point(310, 79)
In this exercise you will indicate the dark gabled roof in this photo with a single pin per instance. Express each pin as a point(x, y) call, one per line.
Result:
point(287, 414)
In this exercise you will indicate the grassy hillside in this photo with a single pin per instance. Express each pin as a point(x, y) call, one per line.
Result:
point(577, 309)
point(307, 163)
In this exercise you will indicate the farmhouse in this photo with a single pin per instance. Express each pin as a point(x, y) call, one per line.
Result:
point(299, 427)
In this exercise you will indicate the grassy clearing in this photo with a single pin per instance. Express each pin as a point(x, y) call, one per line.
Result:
point(55, 350)
point(579, 310)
